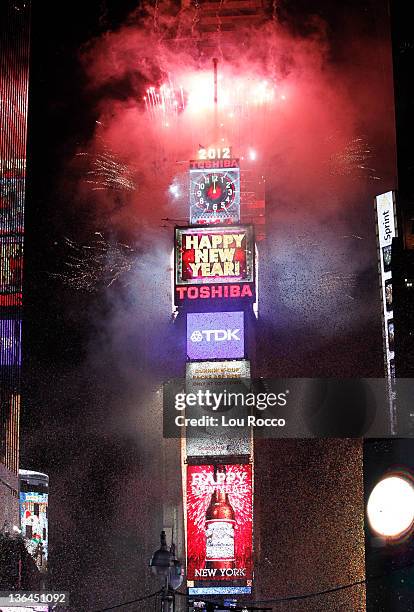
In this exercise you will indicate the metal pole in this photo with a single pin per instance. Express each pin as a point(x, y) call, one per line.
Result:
point(166, 598)
point(215, 62)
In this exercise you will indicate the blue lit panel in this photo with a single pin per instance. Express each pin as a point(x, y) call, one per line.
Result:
point(222, 590)
point(10, 342)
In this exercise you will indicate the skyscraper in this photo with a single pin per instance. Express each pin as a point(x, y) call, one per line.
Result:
point(14, 75)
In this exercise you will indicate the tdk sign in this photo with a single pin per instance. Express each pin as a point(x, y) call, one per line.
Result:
point(215, 335)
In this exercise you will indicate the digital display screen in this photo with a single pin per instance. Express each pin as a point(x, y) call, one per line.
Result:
point(214, 255)
point(219, 522)
point(388, 295)
point(10, 342)
point(215, 335)
point(11, 205)
point(391, 334)
point(11, 264)
point(386, 258)
point(34, 524)
point(205, 370)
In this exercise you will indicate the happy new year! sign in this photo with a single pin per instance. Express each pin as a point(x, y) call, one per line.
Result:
point(214, 255)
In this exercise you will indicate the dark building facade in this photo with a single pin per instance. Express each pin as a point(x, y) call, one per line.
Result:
point(403, 245)
point(14, 74)
point(403, 275)
point(389, 560)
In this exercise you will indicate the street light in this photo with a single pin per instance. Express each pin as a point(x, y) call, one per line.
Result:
point(165, 565)
point(390, 507)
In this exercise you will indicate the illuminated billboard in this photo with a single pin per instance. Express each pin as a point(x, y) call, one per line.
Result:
point(219, 522)
point(386, 231)
point(215, 335)
point(11, 262)
point(215, 195)
point(223, 159)
point(206, 370)
point(214, 255)
point(34, 524)
point(188, 295)
point(11, 205)
point(10, 342)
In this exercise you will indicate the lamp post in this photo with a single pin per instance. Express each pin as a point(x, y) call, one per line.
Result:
point(165, 565)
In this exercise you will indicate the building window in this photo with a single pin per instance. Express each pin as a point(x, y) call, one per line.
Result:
point(36, 509)
point(44, 533)
point(29, 532)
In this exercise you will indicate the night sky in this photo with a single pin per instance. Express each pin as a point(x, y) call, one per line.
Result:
point(92, 359)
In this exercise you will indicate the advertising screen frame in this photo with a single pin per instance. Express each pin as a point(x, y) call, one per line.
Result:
point(223, 336)
point(386, 230)
point(181, 231)
point(27, 499)
point(213, 294)
point(211, 367)
point(238, 486)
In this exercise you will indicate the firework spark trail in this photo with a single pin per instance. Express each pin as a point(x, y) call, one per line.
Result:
point(352, 160)
point(164, 104)
point(108, 172)
point(334, 281)
point(101, 263)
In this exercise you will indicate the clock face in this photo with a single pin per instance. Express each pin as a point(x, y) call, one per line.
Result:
point(215, 196)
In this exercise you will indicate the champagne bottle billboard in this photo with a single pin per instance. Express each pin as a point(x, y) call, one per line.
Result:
point(219, 522)
point(220, 525)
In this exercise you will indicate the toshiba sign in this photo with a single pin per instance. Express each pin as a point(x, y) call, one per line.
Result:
point(215, 335)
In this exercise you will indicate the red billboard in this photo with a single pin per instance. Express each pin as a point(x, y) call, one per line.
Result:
point(219, 522)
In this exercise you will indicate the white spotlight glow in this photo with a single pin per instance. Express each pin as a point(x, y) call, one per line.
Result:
point(174, 190)
point(252, 154)
point(390, 507)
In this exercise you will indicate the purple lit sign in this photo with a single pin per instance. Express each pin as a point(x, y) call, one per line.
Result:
point(10, 340)
point(215, 335)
